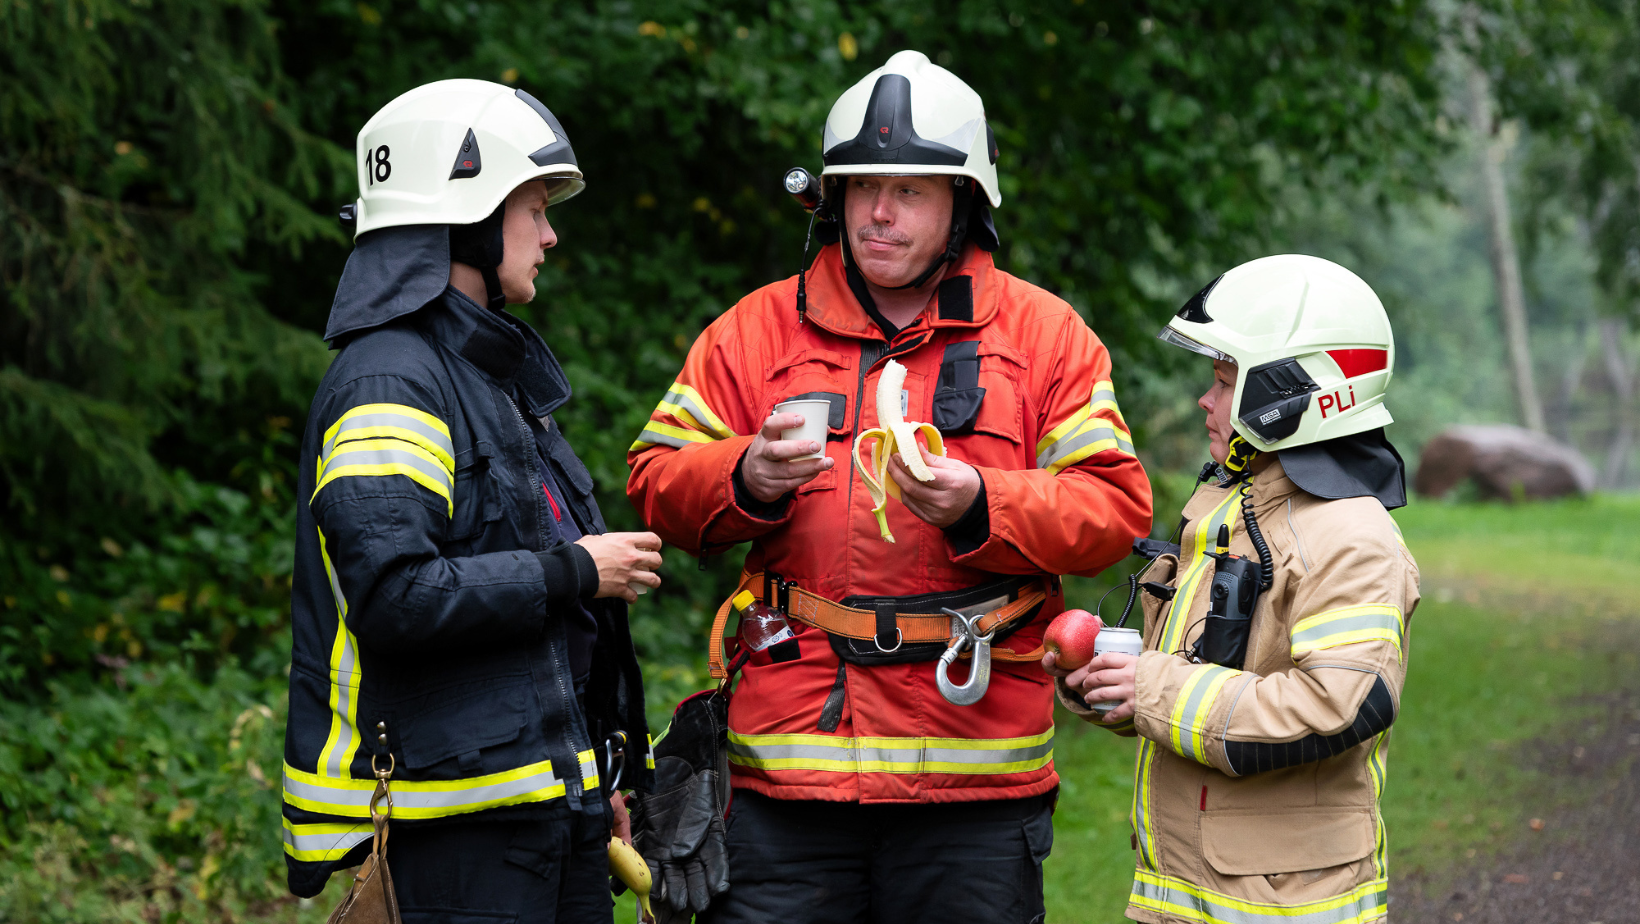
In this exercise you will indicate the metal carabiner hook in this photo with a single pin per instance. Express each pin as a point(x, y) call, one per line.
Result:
point(973, 689)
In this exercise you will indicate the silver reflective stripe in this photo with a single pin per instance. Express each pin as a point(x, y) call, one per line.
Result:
point(349, 458)
point(1087, 436)
point(652, 435)
point(1179, 900)
point(1347, 624)
point(698, 413)
point(887, 755)
point(343, 743)
point(1102, 394)
point(318, 843)
point(387, 419)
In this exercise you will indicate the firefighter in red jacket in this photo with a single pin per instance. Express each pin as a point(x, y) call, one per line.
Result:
point(862, 789)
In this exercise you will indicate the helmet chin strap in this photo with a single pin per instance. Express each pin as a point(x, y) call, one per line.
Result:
point(1240, 456)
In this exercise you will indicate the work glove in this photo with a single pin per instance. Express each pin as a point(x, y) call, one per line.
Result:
point(678, 829)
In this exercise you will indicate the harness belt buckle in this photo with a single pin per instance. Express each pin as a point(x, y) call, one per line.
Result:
point(964, 630)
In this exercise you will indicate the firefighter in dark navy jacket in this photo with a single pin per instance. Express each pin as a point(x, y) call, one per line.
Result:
point(459, 611)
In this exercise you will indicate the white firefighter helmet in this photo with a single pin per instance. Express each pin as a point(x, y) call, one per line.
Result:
point(449, 152)
point(911, 117)
point(1311, 342)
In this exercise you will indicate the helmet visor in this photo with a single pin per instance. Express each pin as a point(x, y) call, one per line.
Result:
point(1169, 335)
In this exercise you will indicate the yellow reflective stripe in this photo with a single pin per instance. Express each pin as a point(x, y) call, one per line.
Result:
point(892, 755)
point(1143, 829)
point(324, 842)
point(589, 771)
point(1376, 759)
point(656, 433)
point(398, 421)
point(1174, 629)
point(373, 458)
point(687, 405)
point(1053, 449)
point(1377, 622)
point(649, 757)
point(1190, 711)
point(336, 759)
point(416, 799)
point(1172, 896)
point(1095, 436)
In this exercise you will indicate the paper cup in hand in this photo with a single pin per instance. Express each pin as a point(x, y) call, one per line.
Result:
point(814, 413)
point(639, 589)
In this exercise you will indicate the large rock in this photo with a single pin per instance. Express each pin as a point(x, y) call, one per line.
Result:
point(1506, 462)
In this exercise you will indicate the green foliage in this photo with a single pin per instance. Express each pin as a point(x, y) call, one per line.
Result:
point(153, 800)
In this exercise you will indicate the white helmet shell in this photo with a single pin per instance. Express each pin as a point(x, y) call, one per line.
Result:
point(1311, 342)
point(449, 152)
point(911, 117)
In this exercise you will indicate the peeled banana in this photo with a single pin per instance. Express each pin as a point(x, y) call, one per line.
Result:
point(631, 869)
point(895, 435)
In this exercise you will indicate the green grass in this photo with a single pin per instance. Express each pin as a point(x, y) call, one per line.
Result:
point(1525, 612)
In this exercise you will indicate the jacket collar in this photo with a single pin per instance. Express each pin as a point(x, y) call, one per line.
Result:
point(501, 346)
point(1270, 482)
point(966, 298)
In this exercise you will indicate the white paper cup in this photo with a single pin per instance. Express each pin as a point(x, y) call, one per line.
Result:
point(814, 412)
point(639, 589)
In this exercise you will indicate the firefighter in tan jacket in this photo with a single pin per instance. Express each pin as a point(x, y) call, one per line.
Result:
point(1276, 632)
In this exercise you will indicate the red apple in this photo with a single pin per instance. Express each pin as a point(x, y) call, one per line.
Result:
point(1071, 636)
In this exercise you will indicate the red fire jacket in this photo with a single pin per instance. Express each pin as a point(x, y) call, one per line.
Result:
point(1021, 389)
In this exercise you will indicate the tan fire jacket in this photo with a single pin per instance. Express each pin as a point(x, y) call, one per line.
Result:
point(1257, 789)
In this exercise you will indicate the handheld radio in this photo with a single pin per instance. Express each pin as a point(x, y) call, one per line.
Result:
point(1231, 600)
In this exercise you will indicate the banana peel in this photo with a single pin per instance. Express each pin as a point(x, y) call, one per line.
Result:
point(631, 869)
point(895, 435)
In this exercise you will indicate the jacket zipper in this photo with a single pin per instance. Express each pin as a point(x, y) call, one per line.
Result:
point(867, 347)
point(539, 490)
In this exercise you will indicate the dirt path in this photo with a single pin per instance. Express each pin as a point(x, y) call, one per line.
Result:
point(1576, 865)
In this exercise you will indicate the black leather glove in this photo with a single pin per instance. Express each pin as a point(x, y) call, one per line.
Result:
point(679, 827)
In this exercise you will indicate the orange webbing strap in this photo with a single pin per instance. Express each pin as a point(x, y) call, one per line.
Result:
point(915, 628)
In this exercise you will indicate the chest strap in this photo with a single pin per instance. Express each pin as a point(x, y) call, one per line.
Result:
point(880, 623)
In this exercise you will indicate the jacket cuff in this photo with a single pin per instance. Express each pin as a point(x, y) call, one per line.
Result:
point(773, 511)
point(973, 528)
point(569, 573)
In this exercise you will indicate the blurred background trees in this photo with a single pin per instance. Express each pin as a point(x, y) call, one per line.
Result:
point(169, 173)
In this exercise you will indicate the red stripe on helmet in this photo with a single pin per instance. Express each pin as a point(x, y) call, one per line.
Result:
point(1359, 362)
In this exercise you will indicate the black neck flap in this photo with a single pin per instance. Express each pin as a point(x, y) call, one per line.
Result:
point(1360, 465)
point(482, 245)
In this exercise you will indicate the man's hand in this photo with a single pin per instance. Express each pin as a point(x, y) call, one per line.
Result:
point(622, 828)
point(1108, 677)
point(624, 559)
point(768, 470)
point(942, 501)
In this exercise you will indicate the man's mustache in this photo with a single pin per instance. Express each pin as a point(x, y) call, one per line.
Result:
point(881, 233)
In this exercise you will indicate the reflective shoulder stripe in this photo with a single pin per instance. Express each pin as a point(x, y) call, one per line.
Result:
point(659, 434)
point(1083, 435)
point(428, 798)
point(1180, 900)
point(394, 421)
point(324, 842)
point(685, 405)
point(1377, 622)
point(1190, 711)
point(384, 457)
point(892, 755)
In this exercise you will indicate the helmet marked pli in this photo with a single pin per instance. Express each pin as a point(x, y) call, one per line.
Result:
point(1311, 342)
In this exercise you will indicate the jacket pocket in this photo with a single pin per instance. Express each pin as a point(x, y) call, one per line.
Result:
point(476, 499)
point(1265, 845)
point(438, 727)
